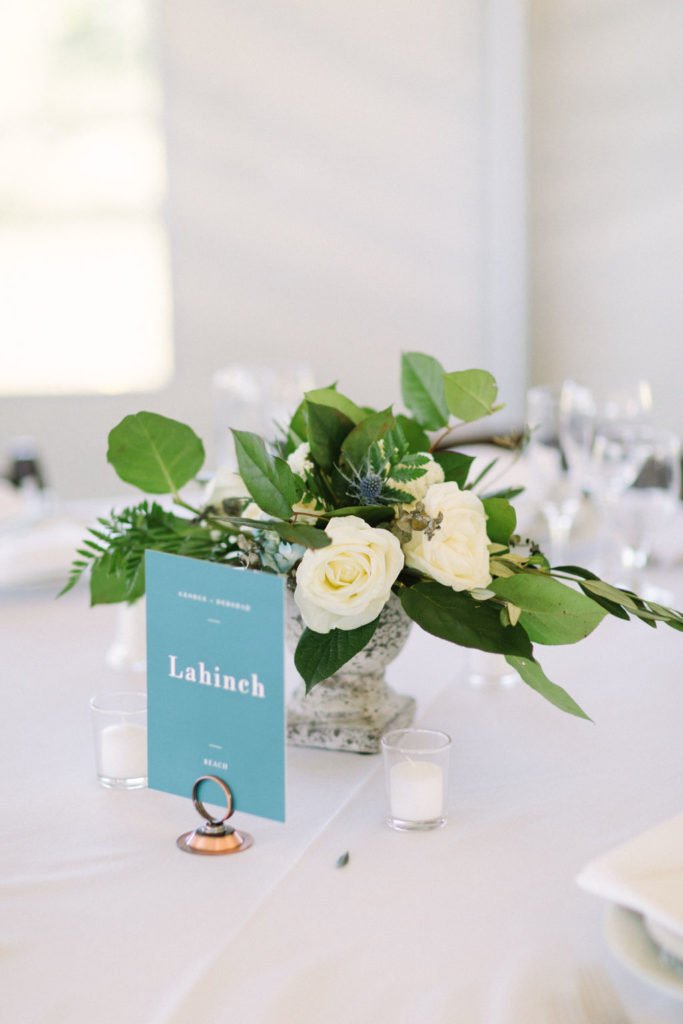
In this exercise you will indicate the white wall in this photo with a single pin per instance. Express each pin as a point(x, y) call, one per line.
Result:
point(607, 194)
point(330, 203)
point(329, 194)
point(346, 183)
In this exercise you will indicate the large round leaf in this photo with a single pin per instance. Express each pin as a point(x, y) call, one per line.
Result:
point(422, 389)
point(155, 453)
point(470, 394)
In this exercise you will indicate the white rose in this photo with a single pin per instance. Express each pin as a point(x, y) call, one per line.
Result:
point(346, 584)
point(457, 553)
point(418, 488)
point(224, 485)
point(300, 459)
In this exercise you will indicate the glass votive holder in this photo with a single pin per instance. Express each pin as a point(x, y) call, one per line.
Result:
point(489, 670)
point(416, 778)
point(120, 734)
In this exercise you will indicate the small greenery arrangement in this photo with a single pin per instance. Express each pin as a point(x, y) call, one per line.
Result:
point(353, 504)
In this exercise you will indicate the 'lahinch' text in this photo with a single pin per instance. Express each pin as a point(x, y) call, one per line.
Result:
point(201, 674)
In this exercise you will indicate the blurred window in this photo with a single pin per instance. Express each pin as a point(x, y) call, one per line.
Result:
point(84, 266)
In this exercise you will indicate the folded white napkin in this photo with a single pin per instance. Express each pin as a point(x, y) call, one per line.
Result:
point(644, 874)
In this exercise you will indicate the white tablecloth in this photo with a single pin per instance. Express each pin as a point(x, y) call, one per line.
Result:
point(104, 920)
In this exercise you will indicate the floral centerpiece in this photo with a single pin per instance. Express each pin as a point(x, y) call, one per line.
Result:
point(355, 505)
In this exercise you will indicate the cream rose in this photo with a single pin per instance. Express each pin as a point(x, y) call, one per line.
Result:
point(457, 553)
point(346, 584)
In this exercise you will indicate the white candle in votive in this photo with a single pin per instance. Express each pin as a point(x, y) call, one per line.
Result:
point(416, 791)
point(123, 751)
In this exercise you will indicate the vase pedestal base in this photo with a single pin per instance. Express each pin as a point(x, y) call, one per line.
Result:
point(352, 708)
point(357, 727)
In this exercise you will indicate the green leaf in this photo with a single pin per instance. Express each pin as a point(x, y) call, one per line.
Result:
point(610, 606)
point(294, 533)
point(296, 432)
point(327, 430)
point(372, 428)
point(416, 439)
point(506, 492)
point(410, 468)
point(552, 613)
point(269, 479)
point(669, 615)
point(109, 584)
point(320, 655)
point(460, 618)
point(372, 514)
point(455, 466)
point(155, 453)
point(501, 521)
point(534, 676)
point(606, 590)
point(483, 473)
point(618, 602)
point(117, 562)
point(422, 390)
point(335, 489)
point(331, 398)
point(470, 394)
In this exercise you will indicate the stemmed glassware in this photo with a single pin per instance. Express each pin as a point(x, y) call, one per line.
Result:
point(581, 446)
point(576, 427)
point(620, 451)
point(562, 422)
point(637, 481)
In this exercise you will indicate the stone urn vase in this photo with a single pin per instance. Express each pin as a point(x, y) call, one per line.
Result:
point(351, 709)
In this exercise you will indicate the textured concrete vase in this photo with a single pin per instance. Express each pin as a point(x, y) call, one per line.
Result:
point(351, 709)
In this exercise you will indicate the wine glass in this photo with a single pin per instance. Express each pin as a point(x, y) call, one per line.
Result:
point(560, 420)
point(576, 429)
point(620, 451)
point(626, 403)
point(638, 481)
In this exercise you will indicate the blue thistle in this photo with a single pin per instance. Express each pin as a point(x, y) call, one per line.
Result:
point(388, 463)
point(369, 488)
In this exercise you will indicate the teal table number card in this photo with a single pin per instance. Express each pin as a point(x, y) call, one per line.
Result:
point(215, 680)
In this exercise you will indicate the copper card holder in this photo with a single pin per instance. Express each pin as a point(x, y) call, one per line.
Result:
point(215, 837)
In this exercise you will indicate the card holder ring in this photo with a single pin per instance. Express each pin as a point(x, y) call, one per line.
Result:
point(215, 837)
